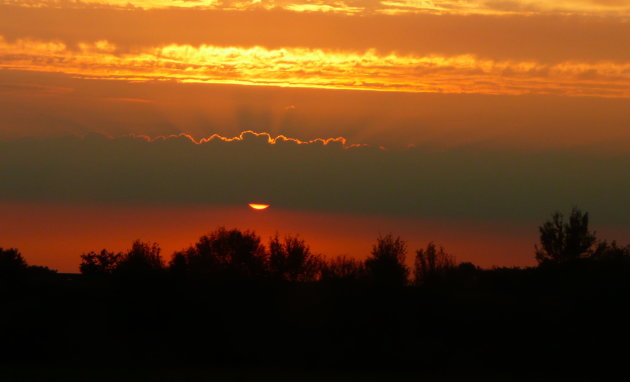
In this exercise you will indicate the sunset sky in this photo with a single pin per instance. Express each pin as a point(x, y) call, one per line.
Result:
point(466, 122)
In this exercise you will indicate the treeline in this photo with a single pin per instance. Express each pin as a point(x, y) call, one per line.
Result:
point(232, 300)
point(238, 256)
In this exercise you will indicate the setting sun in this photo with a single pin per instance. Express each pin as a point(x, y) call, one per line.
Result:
point(258, 206)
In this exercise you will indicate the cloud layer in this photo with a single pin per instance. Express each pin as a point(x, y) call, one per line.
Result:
point(544, 38)
point(415, 182)
point(359, 7)
point(570, 48)
point(293, 67)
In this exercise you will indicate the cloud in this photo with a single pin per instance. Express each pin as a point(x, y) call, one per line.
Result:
point(378, 118)
point(249, 136)
point(547, 39)
point(33, 89)
point(414, 182)
point(355, 7)
point(124, 99)
point(316, 68)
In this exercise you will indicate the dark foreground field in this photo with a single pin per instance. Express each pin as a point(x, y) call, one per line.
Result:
point(81, 374)
point(536, 324)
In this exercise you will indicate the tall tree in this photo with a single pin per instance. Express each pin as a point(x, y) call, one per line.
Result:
point(224, 254)
point(432, 264)
point(291, 259)
point(12, 264)
point(386, 265)
point(142, 258)
point(562, 242)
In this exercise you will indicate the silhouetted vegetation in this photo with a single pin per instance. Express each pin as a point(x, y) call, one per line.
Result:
point(432, 265)
point(562, 241)
point(230, 300)
point(142, 259)
point(342, 268)
point(386, 265)
point(224, 255)
point(102, 263)
point(12, 265)
point(291, 260)
point(14, 270)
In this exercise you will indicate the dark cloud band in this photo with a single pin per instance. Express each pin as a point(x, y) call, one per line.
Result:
point(414, 182)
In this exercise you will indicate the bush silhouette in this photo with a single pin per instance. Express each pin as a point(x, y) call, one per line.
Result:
point(386, 265)
point(562, 241)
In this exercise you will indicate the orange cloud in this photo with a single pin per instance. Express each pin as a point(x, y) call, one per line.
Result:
point(245, 135)
point(543, 38)
point(360, 7)
point(317, 68)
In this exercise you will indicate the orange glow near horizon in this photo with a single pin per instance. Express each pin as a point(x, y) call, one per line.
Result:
point(66, 231)
point(259, 206)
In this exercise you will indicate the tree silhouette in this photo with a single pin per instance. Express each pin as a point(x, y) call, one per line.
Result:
point(12, 265)
point(386, 266)
point(142, 259)
point(342, 268)
point(99, 264)
point(611, 252)
point(178, 264)
point(292, 260)
point(432, 264)
point(224, 254)
point(562, 241)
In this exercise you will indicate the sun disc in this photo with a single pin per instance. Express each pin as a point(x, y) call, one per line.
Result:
point(259, 206)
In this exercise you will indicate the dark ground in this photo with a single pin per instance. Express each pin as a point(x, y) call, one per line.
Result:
point(516, 325)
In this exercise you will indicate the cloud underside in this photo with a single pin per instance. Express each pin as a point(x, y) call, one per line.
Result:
point(359, 7)
point(317, 68)
point(415, 182)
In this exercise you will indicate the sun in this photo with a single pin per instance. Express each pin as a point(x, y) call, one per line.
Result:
point(259, 206)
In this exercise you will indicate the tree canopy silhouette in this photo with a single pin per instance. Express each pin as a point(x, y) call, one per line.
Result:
point(386, 265)
point(142, 259)
point(562, 241)
point(291, 259)
point(12, 264)
point(101, 263)
point(224, 254)
point(432, 264)
point(342, 268)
